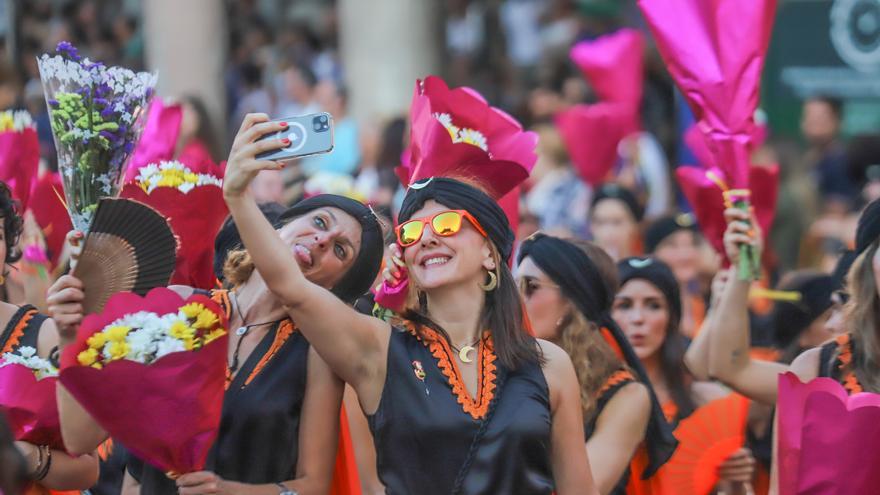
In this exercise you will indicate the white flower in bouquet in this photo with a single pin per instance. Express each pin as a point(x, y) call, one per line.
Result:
point(173, 174)
point(27, 357)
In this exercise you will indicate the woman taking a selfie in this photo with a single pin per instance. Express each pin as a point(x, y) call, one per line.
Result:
point(460, 399)
point(277, 386)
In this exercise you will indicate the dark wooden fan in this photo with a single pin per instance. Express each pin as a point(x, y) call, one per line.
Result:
point(130, 247)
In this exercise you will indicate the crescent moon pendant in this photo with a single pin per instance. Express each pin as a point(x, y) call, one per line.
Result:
point(463, 353)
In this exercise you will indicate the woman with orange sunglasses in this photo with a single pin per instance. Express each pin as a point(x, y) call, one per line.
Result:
point(459, 397)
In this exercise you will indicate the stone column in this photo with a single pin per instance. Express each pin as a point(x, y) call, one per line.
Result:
point(186, 44)
point(386, 45)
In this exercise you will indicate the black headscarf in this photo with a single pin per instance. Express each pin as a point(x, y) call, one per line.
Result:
point(611, 190)
point(664, 227)
point(790, 319)
point(365, 267)
point(569, 267)
point(868, 229)
point(461, 196)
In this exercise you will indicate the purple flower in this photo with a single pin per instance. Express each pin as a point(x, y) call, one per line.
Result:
point(68, 51)
point(107, 113)
point(129, 146)
point(53, 102)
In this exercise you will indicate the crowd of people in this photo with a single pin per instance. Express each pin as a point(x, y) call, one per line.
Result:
point(564, 344)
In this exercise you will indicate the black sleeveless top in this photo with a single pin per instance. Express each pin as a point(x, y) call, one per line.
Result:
point(258, 441)
point(613, 384)
point(426, 422)
point(23, 330)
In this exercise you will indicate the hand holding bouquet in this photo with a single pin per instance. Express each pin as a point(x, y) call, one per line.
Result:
point(151, 371)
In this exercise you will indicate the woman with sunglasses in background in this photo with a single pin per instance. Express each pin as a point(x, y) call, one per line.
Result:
point(460, 399)
point(568, 289)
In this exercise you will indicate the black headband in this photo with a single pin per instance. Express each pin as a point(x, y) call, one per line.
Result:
point(461, 196)
point(664, 227)
point(611, 190)
point(580, 281)
point(791, 318)
point(363, 271)
point(868, 229)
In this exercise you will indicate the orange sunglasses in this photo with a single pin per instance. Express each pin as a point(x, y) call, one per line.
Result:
point(444, 224)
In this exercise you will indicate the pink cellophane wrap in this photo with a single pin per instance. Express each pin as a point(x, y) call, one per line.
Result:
point(29, 406)
point(827, 438)
point(591, 134)
point(613, 64)
point(19, 161)
point(432, 153)
point(195, 218)
point(714, 50)
point(706, 198)
point(695, 140)
point(50, 213)
point(166, 413)
point(158, 139)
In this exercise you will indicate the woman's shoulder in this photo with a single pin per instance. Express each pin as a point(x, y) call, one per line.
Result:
point(704, 392)
point(806, 365)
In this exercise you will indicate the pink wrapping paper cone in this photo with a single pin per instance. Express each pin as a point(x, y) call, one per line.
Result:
point(614, 67)
point(29, 406)
point(715, 51)
point(50, 213)
point(19, 161)
point(166, 413)
point(591, 134)
point(695, 140)
point(820, 427)
point(392, 297)
point(492, 146)
point(158, 139)
point(705, 196)
point(195, 218)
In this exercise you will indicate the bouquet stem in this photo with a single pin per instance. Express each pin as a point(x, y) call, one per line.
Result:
point(749, 264)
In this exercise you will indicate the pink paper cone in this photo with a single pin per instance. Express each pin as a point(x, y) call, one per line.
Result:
point(392, 297)
point(614, 67)
point(591, 134)
point(166, 413)
point(50, 213)
point(714, 50)
point(511, 151)
point(706, 198)
point(29, 406)
point(19, 160)
point(158, 139)
point(195, 218)
point(696, 141)
point(820, 427)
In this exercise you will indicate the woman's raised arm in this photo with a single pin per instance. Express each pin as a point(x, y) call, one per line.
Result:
point(354, 345)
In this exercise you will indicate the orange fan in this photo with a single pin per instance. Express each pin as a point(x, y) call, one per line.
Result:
point(706, 438)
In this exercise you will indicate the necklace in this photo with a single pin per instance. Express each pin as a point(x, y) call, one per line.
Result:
point(465, 350)
point(242, 332)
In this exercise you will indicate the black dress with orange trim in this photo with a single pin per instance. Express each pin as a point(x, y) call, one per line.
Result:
point(22, 330)
point(427, 419)
point(258, 441)
point(613, 384)
point(835, 362)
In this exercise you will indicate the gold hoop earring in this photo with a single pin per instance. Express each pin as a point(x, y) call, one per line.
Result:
point(492, 284)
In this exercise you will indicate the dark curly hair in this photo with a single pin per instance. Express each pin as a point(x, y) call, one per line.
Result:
point(12, 223)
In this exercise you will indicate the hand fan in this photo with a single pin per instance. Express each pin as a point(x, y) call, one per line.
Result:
point(706, 438)
point(130, 247)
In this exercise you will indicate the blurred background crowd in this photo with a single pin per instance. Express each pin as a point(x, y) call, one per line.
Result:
point(286, 57)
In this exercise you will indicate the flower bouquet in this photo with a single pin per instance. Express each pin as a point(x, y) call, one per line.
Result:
point(715, 51)
point(193, 204)
point(151, 371)
point(27, 397)
point(820, 430)
point(19, 154)
point(95, 114)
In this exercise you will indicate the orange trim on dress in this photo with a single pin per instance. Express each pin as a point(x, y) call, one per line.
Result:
point(849, 379)
point(670, 410)
point(18, 331)
point(616, 378)
point(221, 297)
point(285, 330)
point(441, 351)
point(609, 339)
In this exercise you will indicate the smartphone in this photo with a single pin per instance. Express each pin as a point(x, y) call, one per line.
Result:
point(310, 134)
